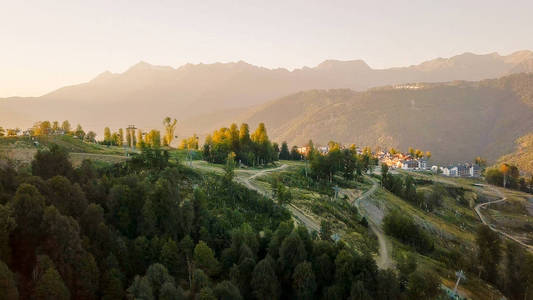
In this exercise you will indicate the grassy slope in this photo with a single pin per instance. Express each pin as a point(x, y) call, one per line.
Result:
point(22, 149)
point(452, 226)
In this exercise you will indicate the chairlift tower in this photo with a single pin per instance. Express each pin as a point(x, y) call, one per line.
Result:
point(460, 275)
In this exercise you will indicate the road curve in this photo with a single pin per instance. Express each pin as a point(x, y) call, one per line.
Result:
point(309, 223)
point(478, 207)
point(384, 260)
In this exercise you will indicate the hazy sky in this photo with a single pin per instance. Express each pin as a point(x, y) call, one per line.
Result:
point(48, 44)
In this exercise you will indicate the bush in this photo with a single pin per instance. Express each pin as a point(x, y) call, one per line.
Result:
point(406, 230)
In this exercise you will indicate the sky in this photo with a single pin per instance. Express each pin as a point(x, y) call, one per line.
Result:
point(45, 45)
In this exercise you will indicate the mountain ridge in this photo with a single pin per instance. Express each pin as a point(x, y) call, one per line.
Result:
point(203, 96)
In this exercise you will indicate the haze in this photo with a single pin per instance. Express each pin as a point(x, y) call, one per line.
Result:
point(49, 45)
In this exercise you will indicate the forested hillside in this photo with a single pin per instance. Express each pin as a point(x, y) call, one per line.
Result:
point(456, 121)
point(151, 229)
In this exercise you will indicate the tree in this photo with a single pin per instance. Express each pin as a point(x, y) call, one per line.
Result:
point(140, 141)
point(489, 252)
point(8, 286)
point(107, 136)
point(423, 285)
point(90, 137)
point(141, 288)
point(153, 138)
point(66, 126)
point(304, 283)
point(170, 127)
point(79, 132)
point(226, 290)
point(504, 168)
point(265, 283)
point(120, 136)
point(51, 286)
point(428, 155)
point(28, 206)
point(480, 162)
point(68, 198)
point(325, 230)
point(170, 292)
point(205, 259)
point(42, 128)
point(7, 225)
point(112, 285)
point(280, 192)
point(49, 163)
point(157, 275)
point(55, 127)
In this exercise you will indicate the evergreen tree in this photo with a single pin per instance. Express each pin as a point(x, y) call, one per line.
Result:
point(51, 286)
point(489, 252)
point(284, 152)
point(8, 286)
point(265, 283)
point(304, 284)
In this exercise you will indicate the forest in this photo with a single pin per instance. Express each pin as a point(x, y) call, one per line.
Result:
point(149, 228)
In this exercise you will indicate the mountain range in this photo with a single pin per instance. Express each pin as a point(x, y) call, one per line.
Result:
point(334, 100)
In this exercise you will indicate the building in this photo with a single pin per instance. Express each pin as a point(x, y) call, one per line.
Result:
point(410, 164)
point(303, 150)
point(323, 149)
point(461, 170)
point(474, 171)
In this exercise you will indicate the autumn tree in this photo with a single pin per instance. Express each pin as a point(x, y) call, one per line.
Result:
point(107, 136)
point(120, 136)
point(170, 128)
point(65, 126)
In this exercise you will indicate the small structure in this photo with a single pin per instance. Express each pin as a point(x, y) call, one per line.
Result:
point(409, 164)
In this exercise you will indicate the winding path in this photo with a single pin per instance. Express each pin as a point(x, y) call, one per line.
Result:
point(309, 223)
point(478, 207)
point(384, 260)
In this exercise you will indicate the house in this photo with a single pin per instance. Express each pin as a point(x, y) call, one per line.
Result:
point(409, 164)
point(474, 170)
point(323, 149)
point(461, 170)
point(449, 171)
point(303, 150)
point(422, 164)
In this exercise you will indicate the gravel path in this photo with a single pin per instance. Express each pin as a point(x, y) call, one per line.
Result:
point(374, 216)
point(484, 221)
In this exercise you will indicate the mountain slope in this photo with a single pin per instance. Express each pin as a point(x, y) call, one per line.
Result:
point(457, 121)
point(144, 94)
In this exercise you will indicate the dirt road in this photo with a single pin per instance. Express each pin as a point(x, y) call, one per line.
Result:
point(374, 216)
point(478, 207)
point(306, 220)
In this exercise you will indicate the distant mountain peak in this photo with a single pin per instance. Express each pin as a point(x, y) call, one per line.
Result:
point(103, 76)
point(357, 64)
